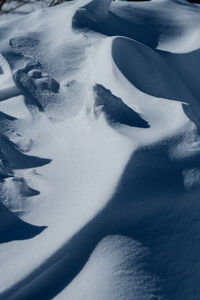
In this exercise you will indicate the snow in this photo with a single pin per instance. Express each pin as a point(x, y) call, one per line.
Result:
point(99, 151)
point(98, 9)
point(116, 265)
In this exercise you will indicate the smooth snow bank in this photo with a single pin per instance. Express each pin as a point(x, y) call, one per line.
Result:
point(115, 272)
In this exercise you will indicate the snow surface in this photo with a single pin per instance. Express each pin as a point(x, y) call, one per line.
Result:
point(100, 151)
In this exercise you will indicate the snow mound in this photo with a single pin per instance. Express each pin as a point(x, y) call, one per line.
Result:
point(114, 271)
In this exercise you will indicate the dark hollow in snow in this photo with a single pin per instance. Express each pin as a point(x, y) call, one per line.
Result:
point(23, 187)
point(13, 228)
point(38, 91)
point(16, 159)
point(115, 109)
point(5, 117)
point(5, 170)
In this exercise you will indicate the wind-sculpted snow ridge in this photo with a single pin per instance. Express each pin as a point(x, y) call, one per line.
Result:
point(100, 152)
point(152, 23)
point(149, 71)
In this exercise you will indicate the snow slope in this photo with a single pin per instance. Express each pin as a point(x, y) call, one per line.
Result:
point(99, 151)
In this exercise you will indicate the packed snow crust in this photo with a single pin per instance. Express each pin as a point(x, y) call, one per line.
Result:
point(100, 151)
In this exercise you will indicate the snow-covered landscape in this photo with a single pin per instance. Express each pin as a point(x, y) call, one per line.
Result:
point(100, 151)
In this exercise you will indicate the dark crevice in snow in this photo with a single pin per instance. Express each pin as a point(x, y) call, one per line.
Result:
point(116, 110)
point(18, 160)
point(5, 117)
point(13, 228)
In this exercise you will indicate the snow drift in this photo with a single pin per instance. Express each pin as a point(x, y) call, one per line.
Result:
point(99, 151)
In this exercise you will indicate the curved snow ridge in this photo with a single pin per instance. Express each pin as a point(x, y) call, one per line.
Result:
point(163, 117)
point(116, 264)
point(158, 73)
point(153, 23)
